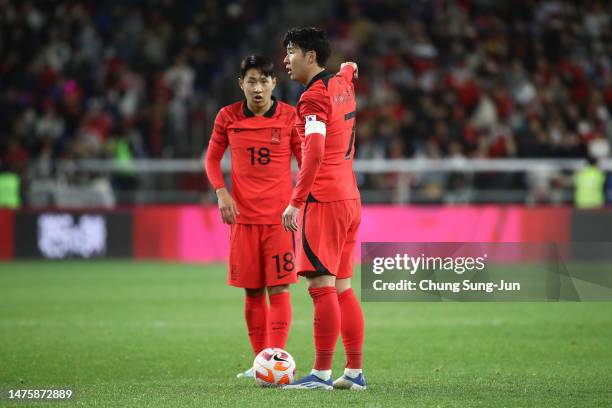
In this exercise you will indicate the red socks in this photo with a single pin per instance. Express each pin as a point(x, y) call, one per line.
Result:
point(268, 328)
point(256, 315)
point(326, 325)
point(280, 319)
point(351, 327)
point(333, 314)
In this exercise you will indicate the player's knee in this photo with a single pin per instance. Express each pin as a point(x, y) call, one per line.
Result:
point(254, 292)
point(273, 290)
point(316, 280)
point(342, 285)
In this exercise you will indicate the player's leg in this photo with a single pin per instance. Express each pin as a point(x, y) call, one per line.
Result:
point(280, 272)
point(245, 272)
point(279, 318)
point(256, 316)
point(352, 324)
point(352, 332)
point(326, 331)
point(318, 260)
point(322, 290)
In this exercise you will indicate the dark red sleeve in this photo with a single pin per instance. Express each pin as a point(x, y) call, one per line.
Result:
point(216, 148)
point(312, 156)
point(310, 110)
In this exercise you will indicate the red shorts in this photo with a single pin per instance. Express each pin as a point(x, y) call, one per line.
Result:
point(327, 234)
point(260, 256)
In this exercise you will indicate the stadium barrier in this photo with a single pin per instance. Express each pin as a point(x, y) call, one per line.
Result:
point(107, 183)
point(196, 234)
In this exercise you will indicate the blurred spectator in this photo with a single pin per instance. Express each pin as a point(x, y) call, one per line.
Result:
point(94, 129)
point(179, 79)
point(9, 189)
point(589, 186)
point(15, 157)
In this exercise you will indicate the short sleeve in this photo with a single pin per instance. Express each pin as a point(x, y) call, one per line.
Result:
point(219, 133)
point(314, 106)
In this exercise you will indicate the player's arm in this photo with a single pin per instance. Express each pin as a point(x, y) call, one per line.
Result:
point(314, 115)
point(216, 148)
point(312, 156)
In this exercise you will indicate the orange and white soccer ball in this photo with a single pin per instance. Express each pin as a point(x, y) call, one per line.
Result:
point(273, 367)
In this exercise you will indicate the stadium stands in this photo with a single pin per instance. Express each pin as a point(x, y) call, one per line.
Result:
point(450, 79)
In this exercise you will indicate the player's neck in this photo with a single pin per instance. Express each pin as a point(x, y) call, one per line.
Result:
point(315, 71)
point(258, 111)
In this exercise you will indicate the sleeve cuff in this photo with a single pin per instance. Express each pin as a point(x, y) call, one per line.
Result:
point(297, 204)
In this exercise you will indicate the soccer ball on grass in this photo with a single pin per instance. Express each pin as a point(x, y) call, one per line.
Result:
point(274, 367)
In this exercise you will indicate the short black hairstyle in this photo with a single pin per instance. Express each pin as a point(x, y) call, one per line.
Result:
point(310, 39)
point(265, 65)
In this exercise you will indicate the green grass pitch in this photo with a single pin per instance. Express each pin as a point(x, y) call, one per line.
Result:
point(171, 335)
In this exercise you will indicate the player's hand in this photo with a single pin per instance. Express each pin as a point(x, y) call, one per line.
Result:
point(227, 205)
point(352, 64)
point(290, 217)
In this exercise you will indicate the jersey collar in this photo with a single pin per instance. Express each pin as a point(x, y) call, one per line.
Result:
point(320, 75)
point(247, 112)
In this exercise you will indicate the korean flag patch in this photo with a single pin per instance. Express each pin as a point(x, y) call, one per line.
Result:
point(312, 125)
point(276, 136)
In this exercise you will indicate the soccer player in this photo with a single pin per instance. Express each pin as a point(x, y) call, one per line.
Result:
point(326, 193)
point(261, 136)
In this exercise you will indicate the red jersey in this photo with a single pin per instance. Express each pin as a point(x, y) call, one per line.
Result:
point(260, 148)
point(326, 125)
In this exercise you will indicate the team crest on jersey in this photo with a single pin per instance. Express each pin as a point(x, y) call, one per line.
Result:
point(311, 118)
point(276, 136)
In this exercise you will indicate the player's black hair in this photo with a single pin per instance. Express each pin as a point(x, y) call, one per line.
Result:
point(265, 65)
point(310, 39)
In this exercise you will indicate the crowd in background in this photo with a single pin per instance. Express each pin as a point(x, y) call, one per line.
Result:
point(76, 76)
point(438, 79)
